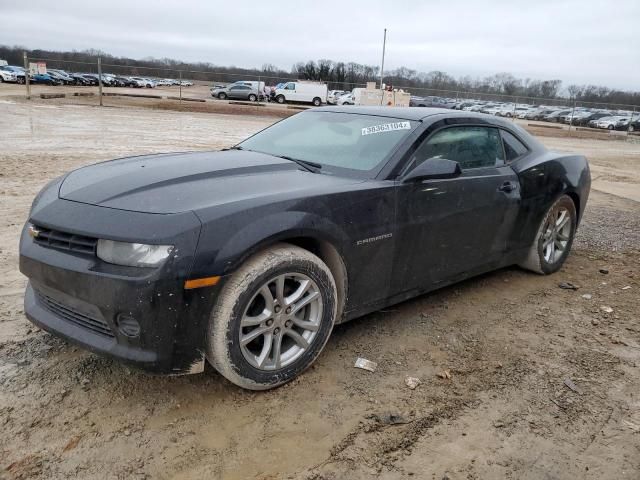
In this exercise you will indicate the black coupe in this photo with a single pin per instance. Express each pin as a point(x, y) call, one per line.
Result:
point(248, 257)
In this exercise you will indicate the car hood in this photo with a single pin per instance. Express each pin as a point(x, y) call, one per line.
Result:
point(180, 182)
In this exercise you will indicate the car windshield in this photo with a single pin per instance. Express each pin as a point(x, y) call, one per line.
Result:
point(344, 142)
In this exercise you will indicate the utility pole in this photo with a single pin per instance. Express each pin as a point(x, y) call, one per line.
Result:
point(384, 46)
point(26, 75)
point(100, 79)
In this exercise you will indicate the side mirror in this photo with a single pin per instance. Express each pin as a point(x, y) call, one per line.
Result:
point(432, 169)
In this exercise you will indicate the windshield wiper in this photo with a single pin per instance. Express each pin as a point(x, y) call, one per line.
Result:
point(312, 167)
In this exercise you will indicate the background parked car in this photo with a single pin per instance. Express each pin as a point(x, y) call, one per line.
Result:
point(240, 92)
point(43, 78)
point(613, 123)
point(61, 76)
point(7, 75)
point(144, 82)
point(346, 99)
point(18, 71)
point(81, 80)
point(334, 95)
point(555, 116)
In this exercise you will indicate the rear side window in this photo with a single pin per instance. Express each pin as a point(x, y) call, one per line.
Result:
point(471, 147)
point(513, 148)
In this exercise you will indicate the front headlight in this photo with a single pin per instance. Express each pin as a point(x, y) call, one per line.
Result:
point(133, 254)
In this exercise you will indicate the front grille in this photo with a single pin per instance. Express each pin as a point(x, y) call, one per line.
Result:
point(64, 241)
point(69, 314)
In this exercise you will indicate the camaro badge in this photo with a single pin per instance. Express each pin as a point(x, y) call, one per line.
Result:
point(33, 232)
point(374, 239)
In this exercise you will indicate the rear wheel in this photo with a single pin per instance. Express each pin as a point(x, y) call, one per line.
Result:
point(317, 102)
point(273, 318)
point(252, 98)
point(554, 238)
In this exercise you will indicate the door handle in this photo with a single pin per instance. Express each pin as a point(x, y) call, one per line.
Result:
point(507, 187)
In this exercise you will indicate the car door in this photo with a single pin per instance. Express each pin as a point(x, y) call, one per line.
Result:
point(452, 228)
point(235, 92)
point(290, 92)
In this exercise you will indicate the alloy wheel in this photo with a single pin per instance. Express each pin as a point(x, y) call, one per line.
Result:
point(557, 232)
point(281, 321)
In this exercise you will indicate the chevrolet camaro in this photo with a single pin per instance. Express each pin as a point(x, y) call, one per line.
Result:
point(249, 256)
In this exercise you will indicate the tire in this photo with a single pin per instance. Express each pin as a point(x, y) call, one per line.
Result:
point(222, 96)
point(280, 99)
point(317, 102)
point(21, 81)
point(632, 128)
point(609, 127)
point(242, 301)
point(543, 255)
point(252, 98)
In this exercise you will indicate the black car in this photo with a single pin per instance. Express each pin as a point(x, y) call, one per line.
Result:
point(248, 256)
point(584, 121)
point(85, 79)
point(124, 82)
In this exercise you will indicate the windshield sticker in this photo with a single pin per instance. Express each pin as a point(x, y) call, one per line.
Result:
point(386, 127)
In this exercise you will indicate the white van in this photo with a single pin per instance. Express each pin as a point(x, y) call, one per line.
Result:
point(307, 92)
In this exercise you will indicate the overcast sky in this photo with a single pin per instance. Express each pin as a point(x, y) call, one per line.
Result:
point(578, 41)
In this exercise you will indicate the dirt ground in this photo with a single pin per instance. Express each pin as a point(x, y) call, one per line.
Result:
point(539, 382)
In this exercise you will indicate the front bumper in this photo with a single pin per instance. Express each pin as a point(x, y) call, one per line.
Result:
point(91, 303)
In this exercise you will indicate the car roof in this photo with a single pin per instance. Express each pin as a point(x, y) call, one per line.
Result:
point(407, 113)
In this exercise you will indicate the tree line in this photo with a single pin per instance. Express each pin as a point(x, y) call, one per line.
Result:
point(338, 75)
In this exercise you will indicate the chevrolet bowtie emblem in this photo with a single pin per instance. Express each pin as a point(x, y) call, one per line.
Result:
point(33, 232)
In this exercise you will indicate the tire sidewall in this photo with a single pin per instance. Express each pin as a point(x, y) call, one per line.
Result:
point(223, 349)
point(546, 267)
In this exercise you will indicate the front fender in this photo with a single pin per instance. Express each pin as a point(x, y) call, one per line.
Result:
point(257, 235)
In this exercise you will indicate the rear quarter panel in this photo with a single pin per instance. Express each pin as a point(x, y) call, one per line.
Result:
point(545, 176)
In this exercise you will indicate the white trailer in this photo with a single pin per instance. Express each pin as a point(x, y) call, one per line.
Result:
point(373, 97)
point(303, 92)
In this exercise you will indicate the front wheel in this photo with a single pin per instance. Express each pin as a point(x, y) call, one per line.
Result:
point(554, 238)
point(280, 99)
point(272, 318)
point(222, 96)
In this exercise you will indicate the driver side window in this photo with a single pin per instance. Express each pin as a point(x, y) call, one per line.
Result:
point(471, 147)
